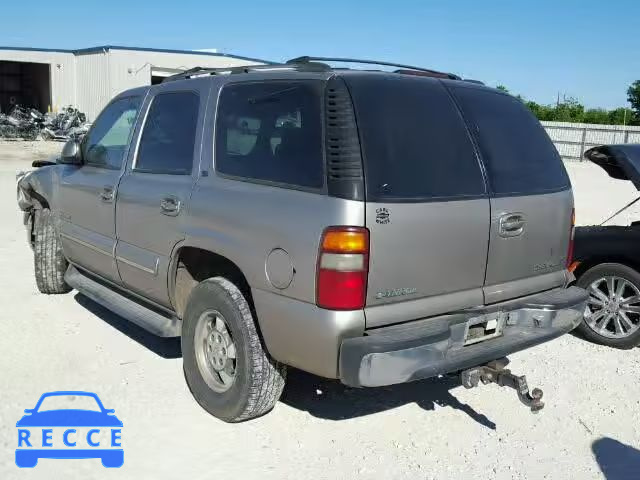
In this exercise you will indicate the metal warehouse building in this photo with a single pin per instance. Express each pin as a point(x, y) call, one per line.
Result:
point(88, 78)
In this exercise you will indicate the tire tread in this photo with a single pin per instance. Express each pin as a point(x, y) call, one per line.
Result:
point(267, 377)
point(49, 262)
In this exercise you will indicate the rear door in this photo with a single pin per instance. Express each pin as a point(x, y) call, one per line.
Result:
point(427, 209)
point(531, 198)
point(155, 191)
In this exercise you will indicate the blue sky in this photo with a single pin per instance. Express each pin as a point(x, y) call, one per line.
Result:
point(586, 49)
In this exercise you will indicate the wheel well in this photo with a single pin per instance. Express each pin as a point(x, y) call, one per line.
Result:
point(194, 265)
point(39, 199)
point(597, 260)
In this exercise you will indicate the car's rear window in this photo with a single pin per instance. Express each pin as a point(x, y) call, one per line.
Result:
point(518, 154)
point(414, 141)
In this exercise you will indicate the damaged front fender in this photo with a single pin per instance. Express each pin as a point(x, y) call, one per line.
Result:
point(34, 188)
point(34, 192)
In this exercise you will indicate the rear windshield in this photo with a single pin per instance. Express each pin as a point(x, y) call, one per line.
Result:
point(518, 154)
point(414, 142)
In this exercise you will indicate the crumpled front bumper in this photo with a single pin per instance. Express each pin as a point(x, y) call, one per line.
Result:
point(431, 347)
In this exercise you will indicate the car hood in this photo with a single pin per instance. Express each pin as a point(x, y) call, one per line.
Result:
point(69, 418)
point(619, 161)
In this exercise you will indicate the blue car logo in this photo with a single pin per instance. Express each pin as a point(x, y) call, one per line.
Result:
point(70, 431)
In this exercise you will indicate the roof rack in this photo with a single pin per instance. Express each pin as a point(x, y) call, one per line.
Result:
point(307, 64)
point(202, 71)
point(406, 69)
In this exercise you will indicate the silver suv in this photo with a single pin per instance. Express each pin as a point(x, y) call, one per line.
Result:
point(375, 227)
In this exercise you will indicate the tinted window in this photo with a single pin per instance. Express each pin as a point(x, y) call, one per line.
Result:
point(414, 141)
point(169, 134)
point(518, 154)
point(272, 132)
point(109, 137)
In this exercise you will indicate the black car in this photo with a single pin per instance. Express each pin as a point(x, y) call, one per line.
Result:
point(607, 261)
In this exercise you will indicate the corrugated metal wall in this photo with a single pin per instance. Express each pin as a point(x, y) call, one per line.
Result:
point(93, 83)
point(119, 70)
point(131, 68)
point(90, 80)
point(62, 67)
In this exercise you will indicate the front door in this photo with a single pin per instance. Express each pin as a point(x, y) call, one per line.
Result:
point(154, 192)
point(87, 193)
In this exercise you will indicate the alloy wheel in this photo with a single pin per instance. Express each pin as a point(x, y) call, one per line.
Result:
point(613, 308)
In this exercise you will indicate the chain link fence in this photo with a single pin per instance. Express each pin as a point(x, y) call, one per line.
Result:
point(573, 139)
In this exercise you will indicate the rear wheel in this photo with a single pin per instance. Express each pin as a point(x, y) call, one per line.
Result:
point(225, 365)
point(612, 316)
point(49, 261)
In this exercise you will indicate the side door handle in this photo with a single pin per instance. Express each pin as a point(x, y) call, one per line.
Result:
point(107, 194)
point(511, 224)
point(170, 205)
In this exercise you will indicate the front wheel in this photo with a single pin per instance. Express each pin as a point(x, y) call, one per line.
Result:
point(49, 261)
point(225, 365)
point(612, 316)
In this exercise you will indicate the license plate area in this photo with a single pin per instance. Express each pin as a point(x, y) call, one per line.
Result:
point(484, 328)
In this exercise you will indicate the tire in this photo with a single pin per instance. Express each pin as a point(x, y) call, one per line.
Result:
point(257, 381)
point(49, 261)
point(594, 274)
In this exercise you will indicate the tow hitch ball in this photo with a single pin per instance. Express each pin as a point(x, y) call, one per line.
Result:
point(495, 372)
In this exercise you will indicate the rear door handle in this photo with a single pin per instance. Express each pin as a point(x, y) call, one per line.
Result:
point(511, 225)
point(170, 205)
point(107, 194)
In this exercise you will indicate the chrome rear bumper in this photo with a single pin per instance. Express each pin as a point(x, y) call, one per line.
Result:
point(431, 347)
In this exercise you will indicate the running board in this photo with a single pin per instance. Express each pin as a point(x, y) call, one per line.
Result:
point(154, 322)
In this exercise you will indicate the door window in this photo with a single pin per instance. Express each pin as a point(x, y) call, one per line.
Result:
point(168, 138)
point(110, 135)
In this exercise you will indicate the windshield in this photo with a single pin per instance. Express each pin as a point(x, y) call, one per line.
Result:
point(69, 402)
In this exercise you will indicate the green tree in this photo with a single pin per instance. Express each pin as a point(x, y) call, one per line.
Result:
point(569, 110)
point(596, 115)
point(633, 96)
point(621, 116)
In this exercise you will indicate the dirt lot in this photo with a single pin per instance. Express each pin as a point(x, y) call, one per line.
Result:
point(320, 429)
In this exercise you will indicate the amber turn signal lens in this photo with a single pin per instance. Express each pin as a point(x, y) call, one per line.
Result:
point(573, 266)
point(353, 240)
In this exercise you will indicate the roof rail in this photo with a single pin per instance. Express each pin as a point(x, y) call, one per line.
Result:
point(408, 69)
point(202, 71)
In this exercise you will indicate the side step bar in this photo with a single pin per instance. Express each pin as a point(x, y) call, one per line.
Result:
point(154, 322)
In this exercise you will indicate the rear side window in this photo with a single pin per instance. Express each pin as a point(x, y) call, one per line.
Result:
point(414, 142)
point(518, 154)
point(271, 132)
point(169, 134)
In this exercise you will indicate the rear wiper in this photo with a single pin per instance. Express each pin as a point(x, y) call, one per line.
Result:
point(269, 97)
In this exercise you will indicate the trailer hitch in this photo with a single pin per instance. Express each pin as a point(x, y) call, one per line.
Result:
point(495, 372)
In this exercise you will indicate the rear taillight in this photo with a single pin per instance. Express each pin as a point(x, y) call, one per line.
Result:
point(343, 264)
point(572, 233)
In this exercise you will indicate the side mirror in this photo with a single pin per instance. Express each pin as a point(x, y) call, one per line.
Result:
point(28, 410)
point(71, 153)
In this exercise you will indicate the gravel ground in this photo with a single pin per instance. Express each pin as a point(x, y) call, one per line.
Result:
point(320, 429)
